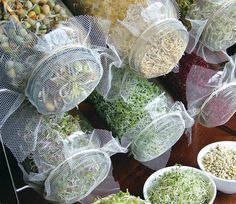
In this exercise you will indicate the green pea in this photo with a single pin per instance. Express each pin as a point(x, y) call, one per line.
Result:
point(51, 3)
point(35, 1)
point(28, 5)
point(57, 8)
point(37, 9)
point(26, 25)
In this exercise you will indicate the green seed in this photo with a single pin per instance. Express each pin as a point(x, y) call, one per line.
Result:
point(51, 3)
point(28, 5)
point(26, 25)
point(43, 1)
point(35, 1)
point(46, 9)
point(37, 9)
point(57, 8)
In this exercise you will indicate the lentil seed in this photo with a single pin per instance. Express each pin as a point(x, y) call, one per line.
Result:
point(220, 161)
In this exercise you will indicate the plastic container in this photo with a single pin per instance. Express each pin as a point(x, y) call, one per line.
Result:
point(205, 89)
point(151, 38)
point(218, 33)
point(146, 34)
point(56, 156)
point(157, 51)
point(77, 176)
point(56, 71)
point(142, 115)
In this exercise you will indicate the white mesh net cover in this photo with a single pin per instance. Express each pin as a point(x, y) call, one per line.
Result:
point(54, 153)
point(142, 115)
point(58, 70)
point(212, 94)
point(150, 37)
point(212, 27)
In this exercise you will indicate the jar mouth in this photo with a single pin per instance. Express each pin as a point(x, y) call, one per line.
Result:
point(158, 137)
point(140, 50)
point(219, 107)
point(209, 31)
point(64, 79)
point(88, 163)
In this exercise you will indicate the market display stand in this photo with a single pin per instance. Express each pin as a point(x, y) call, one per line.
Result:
point(129, 172)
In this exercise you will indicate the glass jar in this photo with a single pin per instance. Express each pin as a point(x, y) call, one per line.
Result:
point(56, 71)
point(206, 89)
point(157, 51)
point(219, 107)
point(77, 176)
point(219, 32)
point(142, 115)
